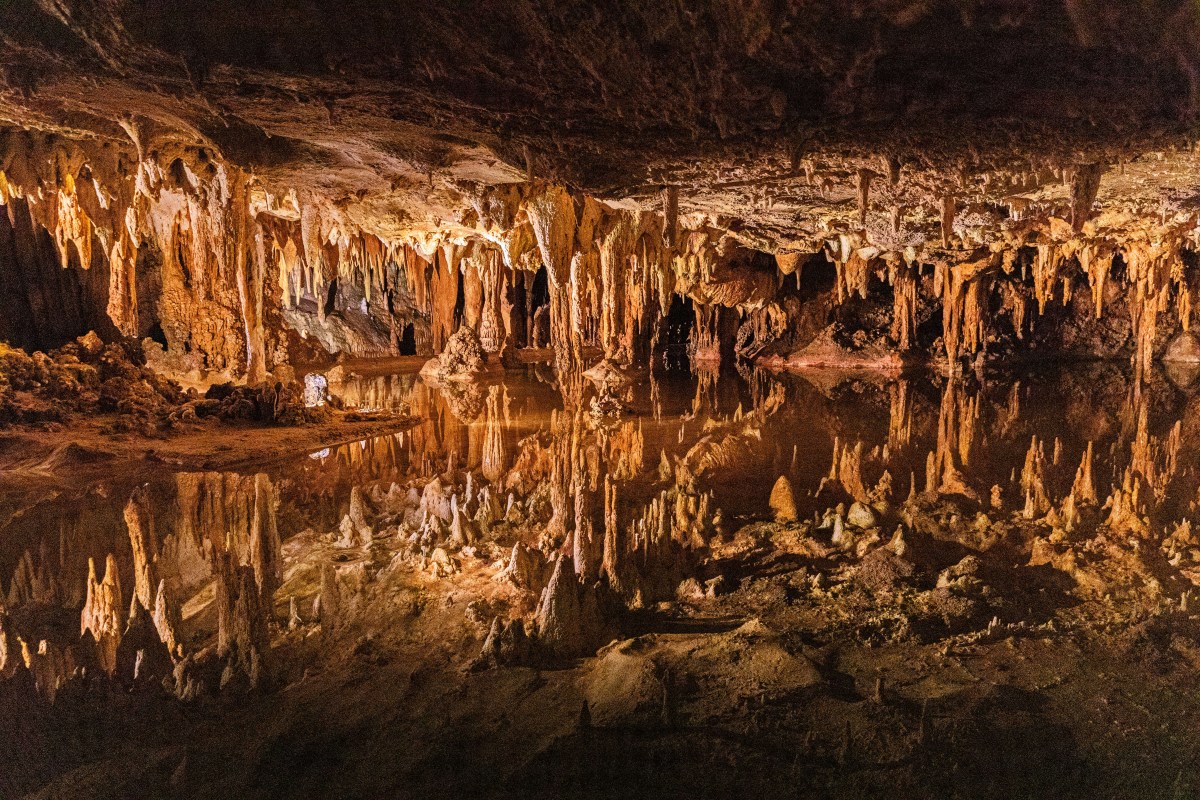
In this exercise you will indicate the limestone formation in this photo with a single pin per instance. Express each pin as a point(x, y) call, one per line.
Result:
point(783, 500)
point(836, 359)
point(103, 613)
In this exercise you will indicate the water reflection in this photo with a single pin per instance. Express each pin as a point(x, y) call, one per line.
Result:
point(199, 553)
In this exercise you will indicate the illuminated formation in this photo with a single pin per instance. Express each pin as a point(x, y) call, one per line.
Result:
point(599, 399)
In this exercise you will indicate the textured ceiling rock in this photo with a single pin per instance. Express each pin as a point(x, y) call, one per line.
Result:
point(761, 112)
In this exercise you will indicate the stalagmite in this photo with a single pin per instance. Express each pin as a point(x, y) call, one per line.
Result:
point(552, 214)
point(1033, 482)
point(644, 255)
point(783, 501)
point(559, 618)
point(242, 613)
point(1084, 489)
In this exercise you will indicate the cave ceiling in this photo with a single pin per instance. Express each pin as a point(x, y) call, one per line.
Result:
point(773, 120)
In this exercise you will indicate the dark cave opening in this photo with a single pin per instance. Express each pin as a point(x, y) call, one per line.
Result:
point(42, 304)
point(408, 340)
point(331, 297)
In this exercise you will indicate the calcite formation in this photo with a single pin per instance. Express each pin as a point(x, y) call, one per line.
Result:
point(193, 200)
point(710, 349)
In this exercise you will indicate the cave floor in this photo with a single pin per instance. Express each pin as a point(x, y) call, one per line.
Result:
point(897, 629)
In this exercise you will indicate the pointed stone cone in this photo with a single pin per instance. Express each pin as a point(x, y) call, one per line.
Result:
point(665, 471)
point(1069, 515)
point(1084, 488)
point(490, 653)
point(897, 545)
point(783, 501)
point(559, 622)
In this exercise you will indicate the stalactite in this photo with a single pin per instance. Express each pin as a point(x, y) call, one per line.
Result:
point(615, 253)
point(1096, 261)
point(863, 186)
point(1046, 271)
point(492, 331)
point(552, 214)
point(1084, 180)
point(947, 219)
point(904, 305)
point(964, 291)
point(670, 209)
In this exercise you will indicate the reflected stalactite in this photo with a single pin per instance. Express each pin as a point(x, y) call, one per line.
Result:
point(493, 457)
point(242, 616)
point(623, 513)
point(104, 613)
point(957, 421)
point(900, 418)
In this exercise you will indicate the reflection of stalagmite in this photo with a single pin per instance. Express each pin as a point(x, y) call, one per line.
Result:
point(104, 613)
